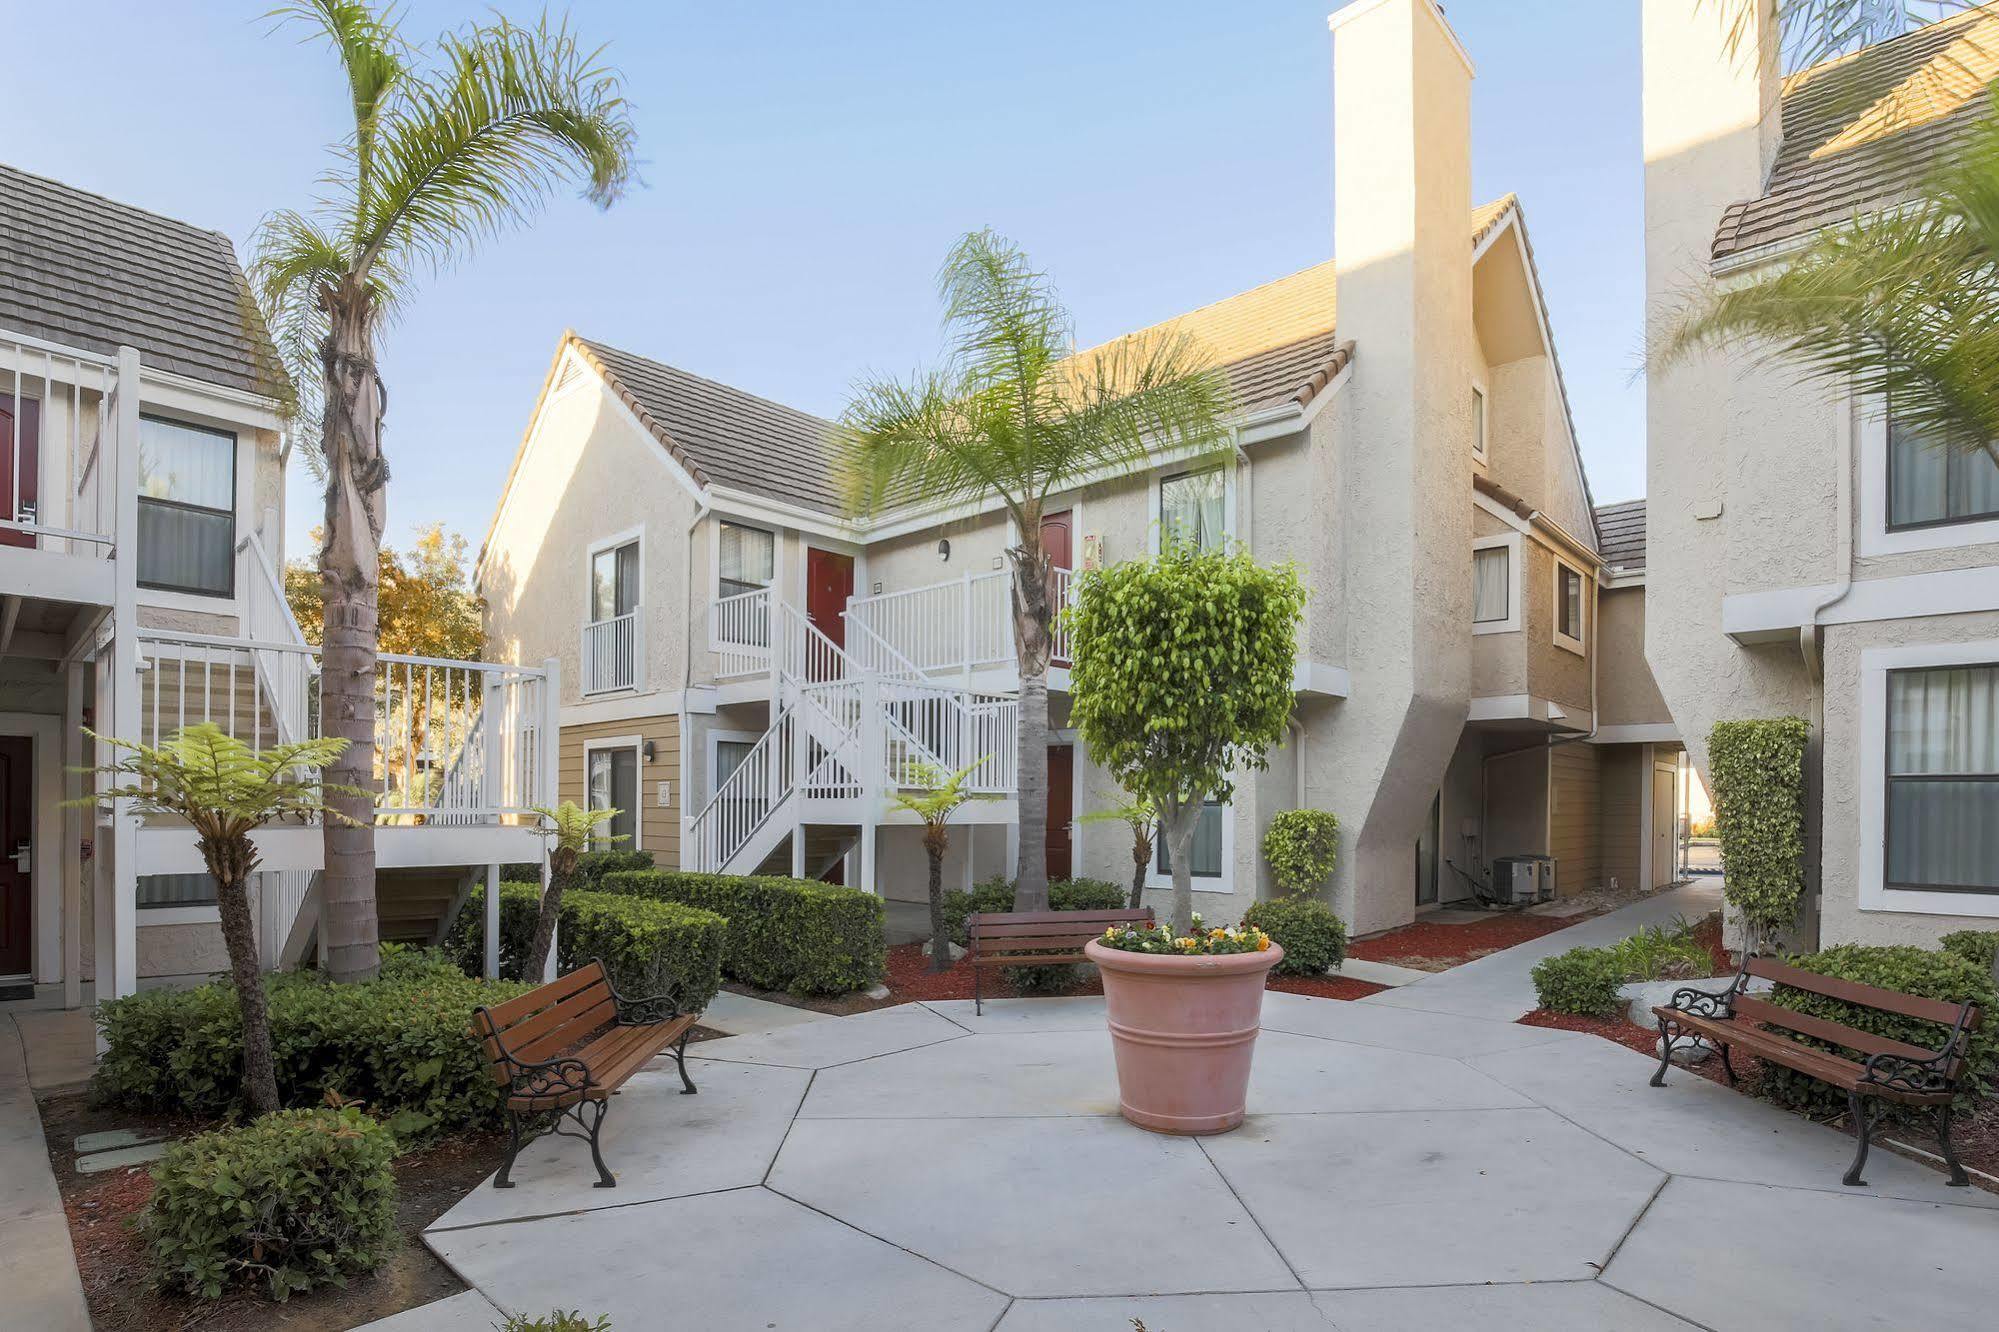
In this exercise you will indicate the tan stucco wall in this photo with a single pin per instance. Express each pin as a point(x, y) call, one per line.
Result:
point(1627, 695)
point(659, 825)
point(1554, 672)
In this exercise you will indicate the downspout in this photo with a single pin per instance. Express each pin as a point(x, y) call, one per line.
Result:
point(687, 663)
point(1808, 648)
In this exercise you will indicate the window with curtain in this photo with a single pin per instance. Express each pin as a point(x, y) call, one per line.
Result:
point(1492, 585)
point(1569, 607)
point(614, 582)
point(749, 559)
point(1930, 486)
point(176, 890)
point(1943, 779)
point(729, 756)
point(187, 508)
point(1205, 854)
point(1192, 509)
point(614, 784)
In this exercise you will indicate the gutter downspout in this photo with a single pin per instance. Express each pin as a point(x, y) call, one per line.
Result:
point(687, 662)
point(1808, 648)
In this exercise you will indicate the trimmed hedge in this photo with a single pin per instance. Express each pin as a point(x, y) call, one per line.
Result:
point(397, 1044)
point(591, 867)
point(1758, 771)
point(1978, 947)
point(1302, 846)
point(1583, 981)
point(297, 1199)
point(997, 895)
point(1933, 975)
point(647, 947)
point(1314, 940)
point(798, 935)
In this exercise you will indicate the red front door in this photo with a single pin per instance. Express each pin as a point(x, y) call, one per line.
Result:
point(1061, 801)
point(23, 507)
point(829, 581)
point(17, 916)
point(1057, 532)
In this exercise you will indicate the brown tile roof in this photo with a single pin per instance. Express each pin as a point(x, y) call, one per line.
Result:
point(1864, 129)
point(1621, 535)
point(87, 272)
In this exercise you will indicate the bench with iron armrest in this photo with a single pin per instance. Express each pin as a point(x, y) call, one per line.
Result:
point(567, 1046)
point(1887, 1070)
point(1037, 938)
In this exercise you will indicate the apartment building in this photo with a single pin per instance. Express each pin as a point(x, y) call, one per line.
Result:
point(749, 672)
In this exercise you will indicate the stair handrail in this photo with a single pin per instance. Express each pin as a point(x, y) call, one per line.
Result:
point(769, 763)
point(268, 618)
point(903, 667)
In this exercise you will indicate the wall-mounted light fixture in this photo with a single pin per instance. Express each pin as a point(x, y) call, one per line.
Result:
point(944, 551)
point(648, 751)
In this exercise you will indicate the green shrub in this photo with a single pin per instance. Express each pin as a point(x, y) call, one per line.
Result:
point(1663, 952)
point(1582, 980)
point(798, 935)
point(1978, 947)
point(591, 867)
point(465, 941)
point(1302, 846)
point(997, 895)
point(398, 1044)
point(558, 1321)
point(1758, 771)
point(647, 947)
point(1918, 971)
point(1314, 940)
point(297, 1199)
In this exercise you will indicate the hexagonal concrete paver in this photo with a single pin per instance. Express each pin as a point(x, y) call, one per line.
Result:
point(1081, 1012)
point(824, 1044)
point(1065, 1206)
point(1020, 1073)
point(1545, 1306)
point(1415, 1198)
point(1401, 1028)
point(744, 1260)
point(659, 1143)
point(1278, 1311)
point(1306, 1075)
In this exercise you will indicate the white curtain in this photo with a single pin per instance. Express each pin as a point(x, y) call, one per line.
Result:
point(187, 465)
point(1192, 509)
point(1928, 484)
point(1943, 778)
point(1492, 582)
point(749, 558)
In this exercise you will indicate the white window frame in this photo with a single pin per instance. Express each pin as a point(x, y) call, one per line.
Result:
point(636, 744)
point(1481, 449)
point(1577, 645)
point(716, 739)
point(1875, 666)
point(214, 603)
point(1160, 475)
point(630, 536)
point(1875, 538)
point(1511, 624)
point(1224, 884)
point(777, 569)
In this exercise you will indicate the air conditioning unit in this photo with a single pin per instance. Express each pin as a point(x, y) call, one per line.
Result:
point(1544, 878)
point(1516, 880)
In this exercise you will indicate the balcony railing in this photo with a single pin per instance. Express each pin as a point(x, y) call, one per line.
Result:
point(59, 417)
point(963, 624)
point(612, 651)
point(739, 631)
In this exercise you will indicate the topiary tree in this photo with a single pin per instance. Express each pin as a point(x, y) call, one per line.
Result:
point(571, 828)
point(1141, 816)
point(1302, 846)
point(225, 790)
point(1757, 769)
point(934, 796)
point(1181, 677)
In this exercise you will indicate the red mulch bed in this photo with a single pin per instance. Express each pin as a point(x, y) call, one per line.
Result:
point(1433, 946)
point(910, 979)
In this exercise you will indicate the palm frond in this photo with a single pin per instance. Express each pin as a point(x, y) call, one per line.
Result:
point(372, 54)
point(572, 827)
point(221, 786)
point(294, 264)
point(933, 794)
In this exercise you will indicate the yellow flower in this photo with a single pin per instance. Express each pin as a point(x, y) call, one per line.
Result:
point(1263, 944)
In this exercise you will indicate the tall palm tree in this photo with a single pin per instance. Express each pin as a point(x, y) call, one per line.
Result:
point(1012, 415)
point(449, 145)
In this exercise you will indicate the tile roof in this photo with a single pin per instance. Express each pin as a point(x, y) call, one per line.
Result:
point(1621, 535)
point(1864, 129)
point(87, 272)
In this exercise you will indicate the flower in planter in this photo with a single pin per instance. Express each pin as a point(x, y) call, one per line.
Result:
point(1198, 943)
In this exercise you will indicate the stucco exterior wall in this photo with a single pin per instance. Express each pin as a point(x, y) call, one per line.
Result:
point(1554, 672)
point(1627, 695)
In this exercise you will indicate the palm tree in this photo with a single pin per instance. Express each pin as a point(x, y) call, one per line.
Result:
point(570, 829)
point(1140, 814)
point(449, 145)
point(1012, 415)
point(225, 791)
point(933, 796)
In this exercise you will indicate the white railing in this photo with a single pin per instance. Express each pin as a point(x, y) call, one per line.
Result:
point(281, 895)
point(612, 651)
point(942, 729)
point(963, 624)
point(58, 449)
point(739, 806)
point(739, 631)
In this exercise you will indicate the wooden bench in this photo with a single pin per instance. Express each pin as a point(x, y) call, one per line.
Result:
point(1887, 1070)
point(1037, 938)
point(565, 1047)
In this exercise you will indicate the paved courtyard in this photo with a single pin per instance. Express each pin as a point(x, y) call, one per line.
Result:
point(922, 1168)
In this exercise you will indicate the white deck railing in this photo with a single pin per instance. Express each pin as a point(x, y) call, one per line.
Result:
point(612, 652)
point(58, 488)
point(963, 624)
point(739, 631)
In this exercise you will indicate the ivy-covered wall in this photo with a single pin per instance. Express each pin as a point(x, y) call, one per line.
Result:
point(1757, 772)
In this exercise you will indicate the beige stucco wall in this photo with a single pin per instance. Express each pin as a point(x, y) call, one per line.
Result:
point(1627, 695)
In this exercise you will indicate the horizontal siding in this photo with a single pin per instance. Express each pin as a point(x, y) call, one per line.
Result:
point(659, 826)
point(1621, 788)
point(1572, 823)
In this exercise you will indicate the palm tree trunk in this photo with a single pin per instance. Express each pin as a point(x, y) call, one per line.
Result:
point(1141, 858)
point(1031, 617)
point(561, 869)
point(349, 570)
point(935, 842)
point(231, 863)
point(1182, 818)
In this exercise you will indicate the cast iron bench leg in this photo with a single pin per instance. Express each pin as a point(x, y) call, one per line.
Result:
point(687, 1087)
point(503, 1180)
point(1958, 1179)
point(1665, 1055)
point(1858, 1112)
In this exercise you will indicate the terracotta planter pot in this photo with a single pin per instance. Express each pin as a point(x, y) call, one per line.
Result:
point(1184, 1032)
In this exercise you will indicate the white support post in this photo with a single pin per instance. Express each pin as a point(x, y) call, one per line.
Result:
point(798, 848)
point(550, 783)
point(75, 827)
point(118, 974)
point(965, 622)
point(492, 922)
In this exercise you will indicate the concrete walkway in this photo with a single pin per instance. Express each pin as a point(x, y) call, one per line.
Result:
point(1498, 987)
point(37, 1265)
point(922, 1168)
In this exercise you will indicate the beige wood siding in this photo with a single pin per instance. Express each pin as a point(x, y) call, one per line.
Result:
point(659, 825)
point(1621, 777)
point(1576, 806)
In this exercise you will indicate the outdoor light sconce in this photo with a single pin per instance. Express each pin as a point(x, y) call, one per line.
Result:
point(649, 751)
point(944, 551)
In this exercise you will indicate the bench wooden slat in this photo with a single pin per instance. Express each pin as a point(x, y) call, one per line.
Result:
point(1854, 992)
point(612, 1060)
point(1099, 918)
point(1026, 959)
point(1064, 929)
point(578, 1024)
point(1750, 1008)
point(513, 1010)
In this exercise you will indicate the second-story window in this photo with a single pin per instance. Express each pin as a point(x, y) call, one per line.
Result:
point(614, 582)
point(1492, 585)
point(1930, 486)
point(187, 508)
point(1478, 419)
point(749, 559)
point(1568, 605)
point(1193, 509)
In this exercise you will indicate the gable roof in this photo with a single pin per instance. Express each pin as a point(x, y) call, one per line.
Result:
point(1621, 535)
point(87, 272)
point(1862, 130)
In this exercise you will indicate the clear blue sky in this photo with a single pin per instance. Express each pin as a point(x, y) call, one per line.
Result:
point(807, 165)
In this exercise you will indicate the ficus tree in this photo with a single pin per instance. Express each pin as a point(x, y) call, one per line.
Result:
point(446, 145)
point(1141, 816)
point(1182, 678)
point(570, 829)
point(1013, 416)
point(225, 790)
point(933, 796)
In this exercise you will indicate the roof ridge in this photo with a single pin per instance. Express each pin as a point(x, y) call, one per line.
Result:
point(119, 204)
point(601, 346)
